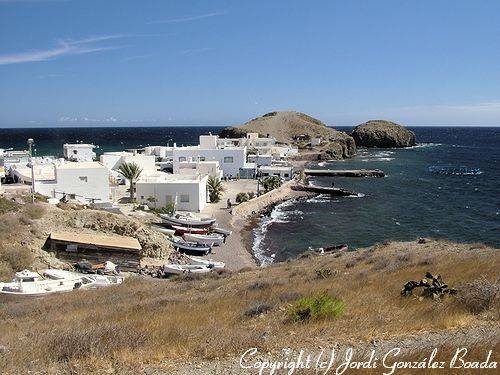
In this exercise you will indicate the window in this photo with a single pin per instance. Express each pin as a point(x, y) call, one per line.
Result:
point(184, 198)
point(83, 178)
point(182, 158)
point(142, 196)
point(228, 159)
point(75, 152)
point(201, 158)
point(286, 175)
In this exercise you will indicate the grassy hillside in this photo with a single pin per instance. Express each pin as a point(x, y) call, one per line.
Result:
point(153, 324)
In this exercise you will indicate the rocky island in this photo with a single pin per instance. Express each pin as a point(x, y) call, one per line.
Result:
point(298, 128)
point(383, 134)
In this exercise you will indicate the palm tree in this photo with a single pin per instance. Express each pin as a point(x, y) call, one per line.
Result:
point(131, 171)
point(215, 189)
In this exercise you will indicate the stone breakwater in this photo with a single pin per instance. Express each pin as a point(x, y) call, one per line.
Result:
point(262, 203)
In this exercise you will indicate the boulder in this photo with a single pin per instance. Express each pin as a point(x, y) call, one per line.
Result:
point(383, 134)
point(290, 126)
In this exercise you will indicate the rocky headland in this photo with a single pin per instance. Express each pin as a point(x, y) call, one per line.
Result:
point(383, 134)
point(292, 127)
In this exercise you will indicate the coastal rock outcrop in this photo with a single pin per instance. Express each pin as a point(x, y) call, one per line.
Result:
point(289, 127)
point(383, 134)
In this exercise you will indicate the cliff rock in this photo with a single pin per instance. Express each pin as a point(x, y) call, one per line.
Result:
point(383, 134)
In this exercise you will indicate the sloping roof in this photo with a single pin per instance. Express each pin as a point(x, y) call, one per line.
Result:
point(97, 240)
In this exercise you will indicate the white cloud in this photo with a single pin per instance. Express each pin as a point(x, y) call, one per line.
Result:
point(63, 48)
point(190, 18)
point(87, 119)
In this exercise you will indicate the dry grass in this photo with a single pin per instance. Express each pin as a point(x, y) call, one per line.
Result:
point(143, 322)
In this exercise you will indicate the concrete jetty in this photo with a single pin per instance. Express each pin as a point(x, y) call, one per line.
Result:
point(324, 190)
point(345, 172)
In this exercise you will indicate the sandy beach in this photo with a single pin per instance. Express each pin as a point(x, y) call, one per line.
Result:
point(242, 218)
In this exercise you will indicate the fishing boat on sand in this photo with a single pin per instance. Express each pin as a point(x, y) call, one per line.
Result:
point(180, 230)
point(187, 220)
point(332, 249)
point(204, 239)
point(176, 269)
point(224, 232)
point(192, 247)
point(206, 262)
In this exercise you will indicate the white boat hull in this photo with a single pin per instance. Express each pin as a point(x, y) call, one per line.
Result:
point(204, 239)
point(177, 269)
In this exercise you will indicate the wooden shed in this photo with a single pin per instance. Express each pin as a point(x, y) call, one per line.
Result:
point(73, 247)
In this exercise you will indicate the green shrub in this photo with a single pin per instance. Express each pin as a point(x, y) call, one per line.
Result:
point(169, 209)
point(317, 307)
point(7, 205)
point(242, 197)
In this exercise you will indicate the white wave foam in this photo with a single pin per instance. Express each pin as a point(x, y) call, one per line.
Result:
point(277, 215)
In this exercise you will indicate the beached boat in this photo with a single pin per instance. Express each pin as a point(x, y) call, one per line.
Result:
point(28, 284)
point(176, 269)
point(187, 220)
point(204, 239)
point(180, 230)
point(332, 249)
point(225, 232)
point(166, 231)
point(193, 247)
point(206, 262)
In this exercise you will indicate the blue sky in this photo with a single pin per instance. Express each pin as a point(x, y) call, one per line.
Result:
point(105, 62)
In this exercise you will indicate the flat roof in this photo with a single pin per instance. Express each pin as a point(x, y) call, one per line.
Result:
point(81, 165)
point(97, 240)
point(77, 145)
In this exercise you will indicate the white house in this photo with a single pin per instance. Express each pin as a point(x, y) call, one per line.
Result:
point(79, 152)
point(186, 192)
point(113, 160)
point(191, 167)
point(231, 158)
point(260, 160)
point(87, 182)
point(284, 172)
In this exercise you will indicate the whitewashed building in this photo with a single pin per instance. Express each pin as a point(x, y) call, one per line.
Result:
point(204, 168)
point(113, 160)
point(231, 158)
point(260, 160)
point(86, 182)
point(79, 152)
point(284, 172)
point(186, 192)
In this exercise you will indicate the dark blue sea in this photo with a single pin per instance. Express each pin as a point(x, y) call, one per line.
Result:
point(447, 187)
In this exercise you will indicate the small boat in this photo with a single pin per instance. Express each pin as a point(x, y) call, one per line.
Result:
point(28, 284)
point(187, 220)
point(182, 230)
point(204, 239)
point(332, 249)
point(176, 269)
point(206, 262)
point(225, 232)
point(192, 247)
point(101, 281)
point(166, 231)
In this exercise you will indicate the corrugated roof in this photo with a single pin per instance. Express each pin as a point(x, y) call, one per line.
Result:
point(97, 240)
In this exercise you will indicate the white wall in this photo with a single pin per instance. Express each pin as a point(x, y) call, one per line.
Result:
point(86, 183)
point(196, 189)
point(228, 168)
point(285, 173)
point(113, 161)
point(79, 152)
